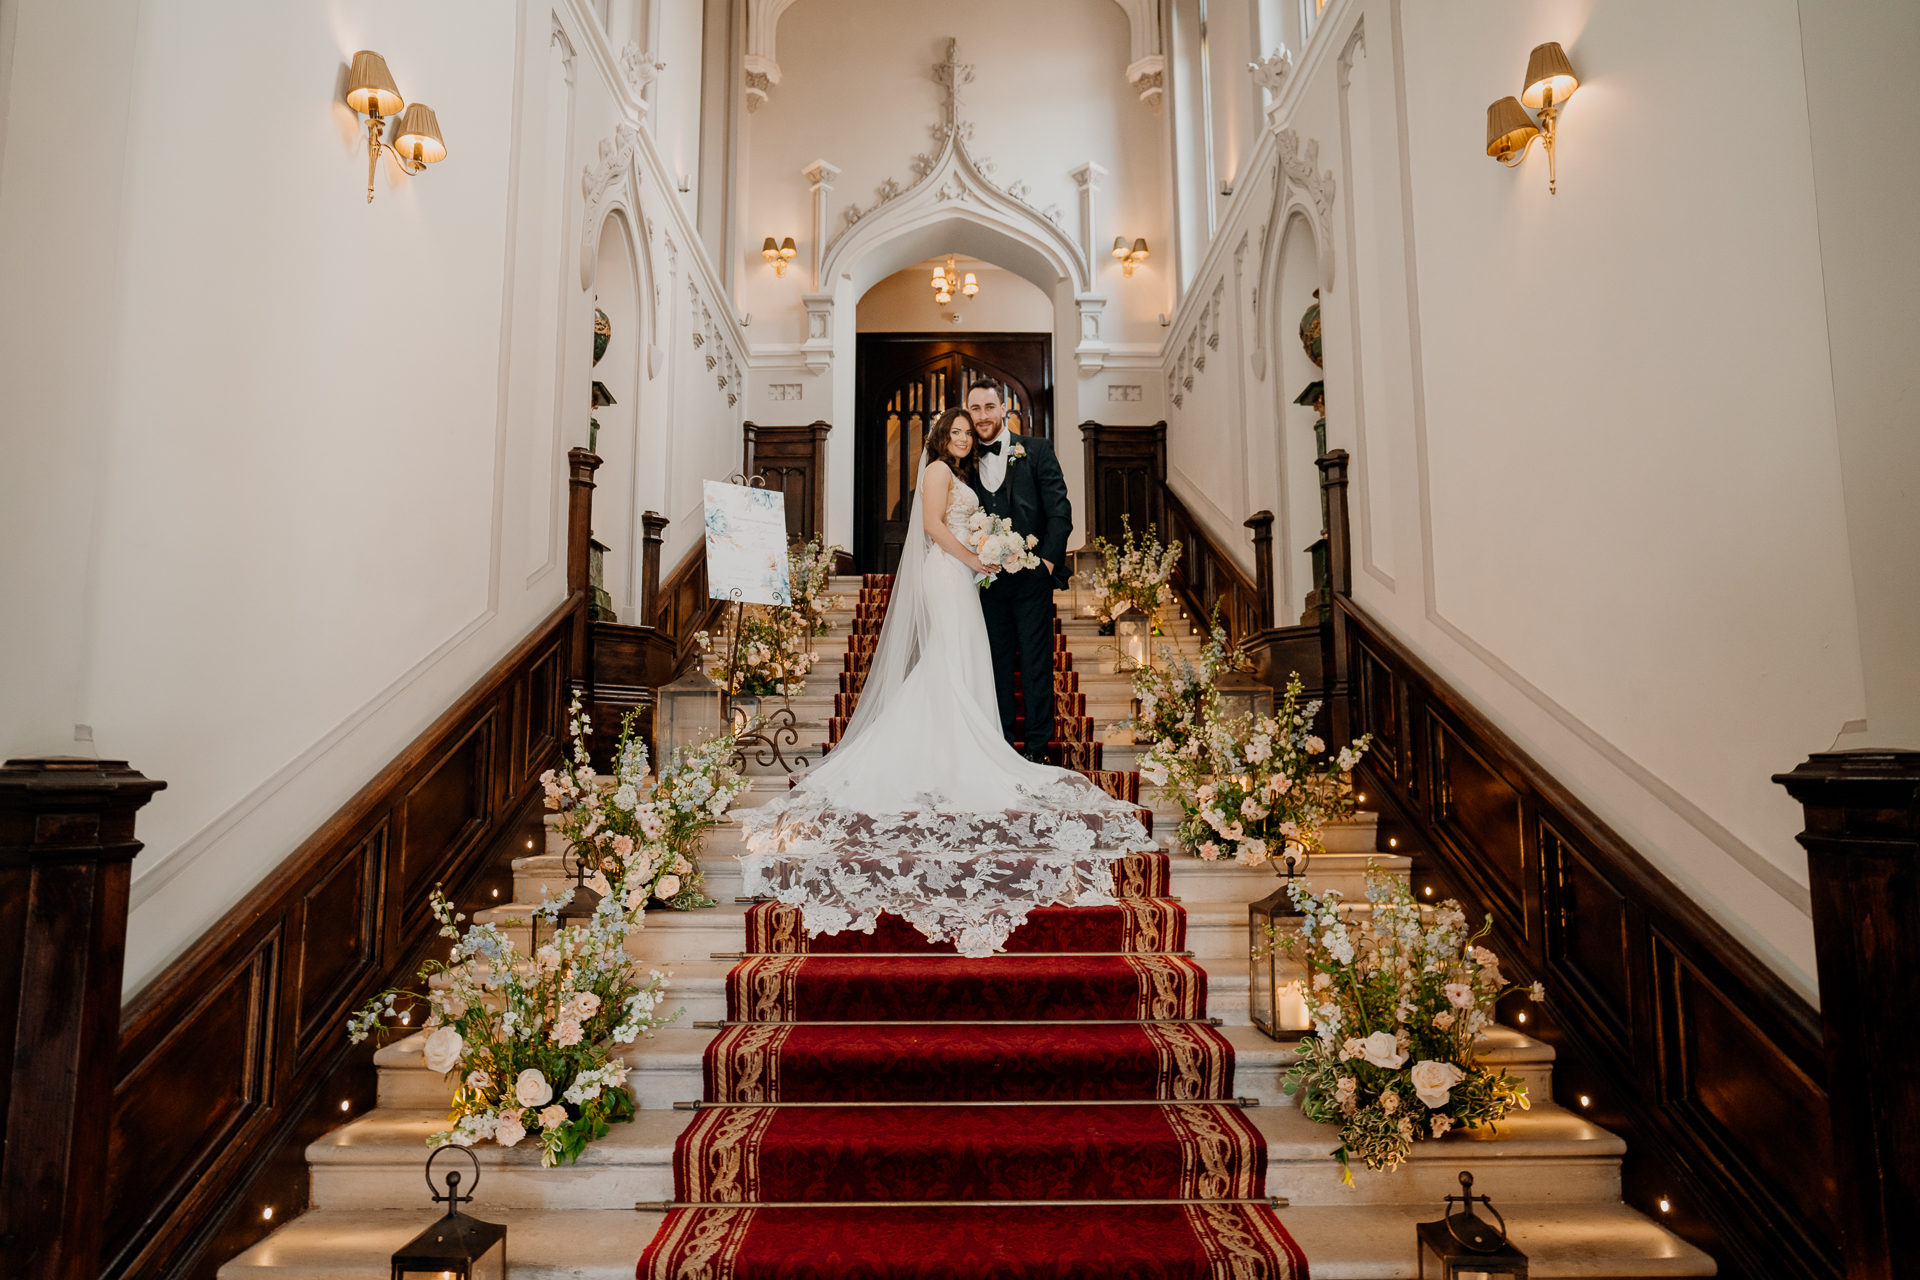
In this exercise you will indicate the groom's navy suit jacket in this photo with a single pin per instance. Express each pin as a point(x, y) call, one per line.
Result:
point(1034, 497)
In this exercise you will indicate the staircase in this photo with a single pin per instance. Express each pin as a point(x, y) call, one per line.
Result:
point(1556, 1177)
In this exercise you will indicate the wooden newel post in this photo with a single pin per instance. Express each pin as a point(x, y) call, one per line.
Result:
point(581, 465)
point(1333, 637)
point(1261, 522)
point(818, 475)
point(653, 528)
point(1863, 868)
point(66, 855)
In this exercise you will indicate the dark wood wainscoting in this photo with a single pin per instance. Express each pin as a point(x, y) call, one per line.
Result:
point(236, 1056)
point(1677, 1036)
point(685, 609)
point(1127, 476)
point(793, 461)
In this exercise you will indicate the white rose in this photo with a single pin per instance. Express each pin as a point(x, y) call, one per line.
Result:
point(510, 1129)
point(532, 1088)
point(553, 1117)
point(1382, 1050)
point(668, 886)
point(1434, 1081)
point(444, 1048)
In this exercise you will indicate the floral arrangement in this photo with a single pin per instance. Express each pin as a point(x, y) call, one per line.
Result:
point(530, 1040)
point(772, 659)
point(1136, 572)
point(636, 830)
point(1249, 789)
point(810, 579)
point(1002, 550)
point(1398, 995)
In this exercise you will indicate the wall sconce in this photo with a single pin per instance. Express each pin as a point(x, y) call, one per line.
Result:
point(1129, 258)
point(372, 93)
point(1511, 131)
point(779, 254)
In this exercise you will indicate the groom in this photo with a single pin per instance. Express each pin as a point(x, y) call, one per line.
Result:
point(1019, 477)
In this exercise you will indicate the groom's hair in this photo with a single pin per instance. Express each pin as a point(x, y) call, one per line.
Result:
point(964, 468)
point(984, 385)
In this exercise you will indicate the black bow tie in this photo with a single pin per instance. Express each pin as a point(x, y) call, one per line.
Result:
point(992, 448)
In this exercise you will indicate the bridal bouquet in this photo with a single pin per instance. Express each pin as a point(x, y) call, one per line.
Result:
point(1249, 788)
point(1398, 995)
point(1001, 549)
point(1135, 572)
point(530, 1039)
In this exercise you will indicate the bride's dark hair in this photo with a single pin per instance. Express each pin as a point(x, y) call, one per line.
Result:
point(937, 451)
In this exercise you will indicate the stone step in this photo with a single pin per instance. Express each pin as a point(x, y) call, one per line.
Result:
point(667, 1067)
point(1543, 1156)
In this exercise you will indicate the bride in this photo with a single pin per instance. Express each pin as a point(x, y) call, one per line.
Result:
point(923, 809)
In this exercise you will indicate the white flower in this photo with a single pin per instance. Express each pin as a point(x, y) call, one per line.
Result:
point(1382, 1050)
point(1434, 1081)
point(1321, 981)
point(1314, 745)
point(1536, 993)
point(510, 1129)
point(1441, 1124)
point(666, 888)
point(1459, 995)
point(1389, 1102)
point(1443, 1019)
point(532, 1088)
point(553, 1117)
point(443, 1050)
point(1251, 853)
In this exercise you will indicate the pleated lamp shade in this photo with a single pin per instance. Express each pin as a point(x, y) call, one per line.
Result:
point(370, 86)
point(1509, 127)
point(1548, 68)
point(420, 126)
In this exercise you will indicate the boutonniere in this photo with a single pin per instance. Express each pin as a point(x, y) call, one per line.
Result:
point(1016, 453)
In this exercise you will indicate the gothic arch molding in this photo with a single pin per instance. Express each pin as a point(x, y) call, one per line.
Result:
point(613, 183)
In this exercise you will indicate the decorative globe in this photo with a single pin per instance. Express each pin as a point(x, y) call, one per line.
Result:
point(603, 334)
point(1310, 330)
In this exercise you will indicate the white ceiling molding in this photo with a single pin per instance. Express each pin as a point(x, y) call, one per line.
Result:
point(1147, 71)
point(760, 63)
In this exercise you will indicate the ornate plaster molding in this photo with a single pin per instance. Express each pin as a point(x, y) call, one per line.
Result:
point(1301, 167)
point(613, 182)
point(761, 65)
point(639, 67)
point(1147, 68)
point(1270, 73)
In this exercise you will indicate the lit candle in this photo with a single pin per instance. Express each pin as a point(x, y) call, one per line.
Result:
point(1290, 1010)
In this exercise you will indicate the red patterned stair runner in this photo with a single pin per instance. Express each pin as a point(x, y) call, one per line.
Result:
point(1122, 1154)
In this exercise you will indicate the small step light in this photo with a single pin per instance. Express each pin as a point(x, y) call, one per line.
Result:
point(529, 844)
point(1429, 891)
point(267, 1213)
point(1665, 1205)
point(1585, 1101)
point(1393, 842)
point(1523, 1017)
point(496, 893)
point(344, 1105)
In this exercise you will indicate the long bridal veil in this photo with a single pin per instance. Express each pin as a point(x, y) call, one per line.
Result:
point(922, 809)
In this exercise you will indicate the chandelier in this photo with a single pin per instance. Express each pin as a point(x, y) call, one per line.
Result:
point(946, 280)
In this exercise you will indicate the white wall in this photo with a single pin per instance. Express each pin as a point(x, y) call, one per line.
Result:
point(284, 470)
point(1601, 481)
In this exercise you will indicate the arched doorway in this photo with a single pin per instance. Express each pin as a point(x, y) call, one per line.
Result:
point(904, 381)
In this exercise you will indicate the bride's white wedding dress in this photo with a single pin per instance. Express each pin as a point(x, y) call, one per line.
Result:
point(923, 809)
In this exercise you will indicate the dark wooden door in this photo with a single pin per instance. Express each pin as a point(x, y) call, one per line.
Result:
point(904, 381)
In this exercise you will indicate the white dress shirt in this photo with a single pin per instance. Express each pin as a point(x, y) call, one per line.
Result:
point(993, 467)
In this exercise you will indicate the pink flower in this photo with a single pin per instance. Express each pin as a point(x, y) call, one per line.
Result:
point(623, 845)
point(1459, 995)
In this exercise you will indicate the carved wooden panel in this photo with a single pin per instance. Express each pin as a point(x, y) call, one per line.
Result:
point(339, 937)
point(1733, 1080)
point(792, 461)
point(1481, 810)
point(446, 808)
point(1588, 934)
point(184, 1101)
point(1380, 711)
point(542, 723)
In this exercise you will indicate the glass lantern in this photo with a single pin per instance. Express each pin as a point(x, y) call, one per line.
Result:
point(1243, 693)
point(1277, 1000)
point(457, 1246)
point(1464, 1246)
point(691, 710)
point(1085, 603)
point(1133, 636)
point(579, 909)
